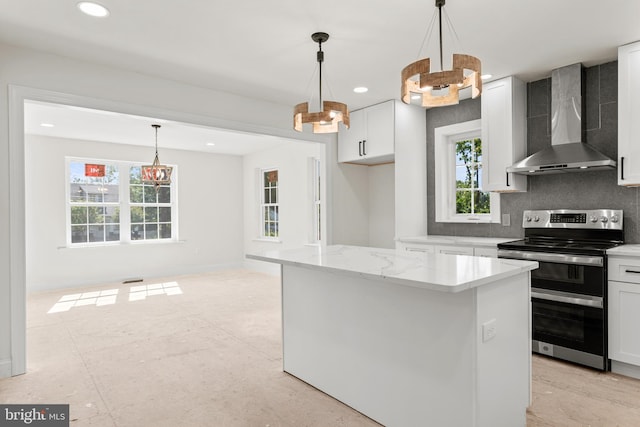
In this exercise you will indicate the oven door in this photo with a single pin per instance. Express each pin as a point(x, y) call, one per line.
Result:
point(569, 326)
point(579, 274)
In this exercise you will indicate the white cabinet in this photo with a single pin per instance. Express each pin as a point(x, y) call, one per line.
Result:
point(371, 137)
point(628, 114)
point(454, 250)
point(504, 133)
point(624, 310)
point(486, 252)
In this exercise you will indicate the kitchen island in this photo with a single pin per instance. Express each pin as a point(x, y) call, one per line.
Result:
point(409, 339)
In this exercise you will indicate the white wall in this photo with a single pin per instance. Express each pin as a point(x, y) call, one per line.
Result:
point(122, 91)
point(381, 206)
point(210, 230)
point(294, 197)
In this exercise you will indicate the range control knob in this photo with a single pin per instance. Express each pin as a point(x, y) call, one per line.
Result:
point(593, 219)
point(615, 218)
point(536, 218)
point(604, 219)
point(527, 218)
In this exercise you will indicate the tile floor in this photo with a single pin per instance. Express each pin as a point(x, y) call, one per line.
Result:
point(204, 350)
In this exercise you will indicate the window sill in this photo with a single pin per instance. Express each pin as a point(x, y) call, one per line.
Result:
point(120, 244)
point(267, 240)
point(469, 221)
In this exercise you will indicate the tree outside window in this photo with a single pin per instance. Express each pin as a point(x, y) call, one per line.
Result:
point(470, 199)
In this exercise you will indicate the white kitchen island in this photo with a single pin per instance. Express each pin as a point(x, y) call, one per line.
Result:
point(409, 339)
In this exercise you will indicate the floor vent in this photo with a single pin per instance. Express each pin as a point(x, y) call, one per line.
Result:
point(134, 280)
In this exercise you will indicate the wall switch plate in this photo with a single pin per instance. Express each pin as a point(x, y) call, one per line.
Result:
point(489, 330)
point(506, 220)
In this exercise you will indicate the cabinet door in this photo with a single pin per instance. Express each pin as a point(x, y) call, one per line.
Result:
point(350, 140)
point(624, 318)
point(504, 136)
point(379, 139)
point(628, 114)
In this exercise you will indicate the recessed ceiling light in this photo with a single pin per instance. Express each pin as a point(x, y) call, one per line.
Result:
point(360, 89)
point(486, 76)
point(211, 144)
point(93, 9)
point(46, 125)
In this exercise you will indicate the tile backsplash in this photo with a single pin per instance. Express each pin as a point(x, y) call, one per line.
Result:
point(580, 190)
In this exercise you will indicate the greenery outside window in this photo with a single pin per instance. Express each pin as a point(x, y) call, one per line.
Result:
point(102, 208)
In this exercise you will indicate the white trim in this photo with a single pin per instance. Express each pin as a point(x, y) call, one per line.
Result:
point(443, 196)
point(17, 95)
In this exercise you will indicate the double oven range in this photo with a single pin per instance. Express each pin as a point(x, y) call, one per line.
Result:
point(569, 289)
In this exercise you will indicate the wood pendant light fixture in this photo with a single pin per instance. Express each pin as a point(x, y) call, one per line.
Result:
point(331, 113)
point(417, 78)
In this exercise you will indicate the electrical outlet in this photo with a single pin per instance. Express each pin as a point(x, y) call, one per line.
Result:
point(489, 330)
point(506, 220)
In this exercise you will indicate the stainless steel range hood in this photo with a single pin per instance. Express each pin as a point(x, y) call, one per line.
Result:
point(568, 152)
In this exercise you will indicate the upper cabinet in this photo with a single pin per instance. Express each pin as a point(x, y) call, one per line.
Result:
point(504, 133)
point(371, 137)
point(629, 115)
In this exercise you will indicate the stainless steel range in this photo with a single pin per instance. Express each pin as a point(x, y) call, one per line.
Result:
point(569, 289)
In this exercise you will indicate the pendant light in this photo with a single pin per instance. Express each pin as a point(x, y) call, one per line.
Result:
point(417, 78)
point(156, 173)
point(331, 113)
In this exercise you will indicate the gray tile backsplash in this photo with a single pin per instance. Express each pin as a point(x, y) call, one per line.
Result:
point(582, 190)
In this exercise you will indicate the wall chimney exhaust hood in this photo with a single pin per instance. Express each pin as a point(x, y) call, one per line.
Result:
point(568, 152)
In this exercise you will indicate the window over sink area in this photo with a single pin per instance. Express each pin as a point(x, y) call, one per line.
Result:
point(459, 187)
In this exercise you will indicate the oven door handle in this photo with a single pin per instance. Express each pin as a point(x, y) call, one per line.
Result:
point(552, 257)
point(566, 297)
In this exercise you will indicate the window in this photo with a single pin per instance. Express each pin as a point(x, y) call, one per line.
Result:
point(150, 209)
point(470, 199)
point(269, 206)
point(104, 208)
point(460, 196)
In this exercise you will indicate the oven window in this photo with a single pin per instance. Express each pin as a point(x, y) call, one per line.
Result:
point(559, 321)
point(567, 273)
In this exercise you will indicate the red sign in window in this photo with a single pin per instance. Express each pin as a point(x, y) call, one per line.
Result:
point(93, 170)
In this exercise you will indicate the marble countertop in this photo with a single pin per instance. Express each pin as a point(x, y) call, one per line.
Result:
point(440, 272)
point(625, 250)
point(457, 240)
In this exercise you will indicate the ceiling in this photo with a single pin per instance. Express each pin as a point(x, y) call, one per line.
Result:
point(262, 49)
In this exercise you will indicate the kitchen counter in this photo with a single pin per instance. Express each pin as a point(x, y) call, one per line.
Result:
point(438, 272)
point(409, 339)
point(625, 250)
point(457, 240)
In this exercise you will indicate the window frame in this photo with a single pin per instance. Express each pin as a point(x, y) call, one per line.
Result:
point(263, 205)
point(445, 138)
point(124, 204)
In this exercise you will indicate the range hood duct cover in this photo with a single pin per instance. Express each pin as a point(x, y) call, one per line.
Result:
point(568, 152)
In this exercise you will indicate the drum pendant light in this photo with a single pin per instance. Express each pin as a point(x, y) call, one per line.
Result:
point(331, 113)
point(439, 88)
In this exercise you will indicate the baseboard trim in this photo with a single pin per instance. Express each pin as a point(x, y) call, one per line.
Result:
point(5, 368)
point(625, 369)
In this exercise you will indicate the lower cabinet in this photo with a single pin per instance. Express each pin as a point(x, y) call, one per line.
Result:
point(624, 318)
point(450, 249)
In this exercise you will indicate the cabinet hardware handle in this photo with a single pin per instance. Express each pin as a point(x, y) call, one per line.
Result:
point(364, 147)
point(621, 168)
point(632, 271)
point(508, 185)
point(360, 148)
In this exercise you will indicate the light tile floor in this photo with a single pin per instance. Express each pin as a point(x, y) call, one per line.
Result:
point(205, 350)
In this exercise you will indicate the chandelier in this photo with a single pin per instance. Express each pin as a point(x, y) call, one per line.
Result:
point(331, 113)
point(156, 173)
point(440, 88)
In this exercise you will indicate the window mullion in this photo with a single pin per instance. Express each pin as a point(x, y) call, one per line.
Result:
point(125, 205)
